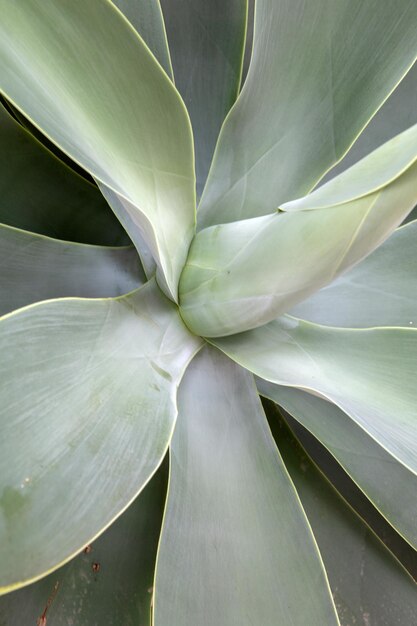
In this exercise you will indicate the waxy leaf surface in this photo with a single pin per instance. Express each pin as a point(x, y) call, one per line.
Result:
point(236, 548)
point(380, 291)
point(35, 268)
point(370, 374)
point(369, 586)
point(88, 405)
point(386, 482)
point(319, 72)
point(84, 76)
point(206, 41)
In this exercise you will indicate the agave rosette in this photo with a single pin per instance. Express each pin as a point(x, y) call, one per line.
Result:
point(124, 338)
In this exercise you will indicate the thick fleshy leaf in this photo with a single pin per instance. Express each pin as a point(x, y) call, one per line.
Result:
point(309, 92)
point(385, 481)
point(40, 194)
point(84, 76)
point(380, 291)
point(206, 40)
point(398, 113)
point(88, 405)
point(370, 174)
point(146, 17)
point(370, 374)
point(236, 548)
point(109, 584)
point(241, 275)
point(34, 268)
point(369, 585)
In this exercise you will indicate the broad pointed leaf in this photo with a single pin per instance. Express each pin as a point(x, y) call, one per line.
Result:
point(369, 585)
point(34, 268)
point(385, 481)
point(146, 17)
point(84, 76)
point(319, 72)
point(206, 41)
point(110, 583)
point(241, 275)
point(236, 548)
point(41, 194)
point(370, 374)
point(380, 291)
point(88, 405)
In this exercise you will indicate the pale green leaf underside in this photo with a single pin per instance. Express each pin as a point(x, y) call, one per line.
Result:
point(146, 17)
point(34, 268)
point(88, 404)
point(385, 481)
point(83, 75)
point(380, 291)
point(244, 274)
point(369, 585)
point(119, 593)
point(206, 41)
point(236, 548)
point(370, 374)
point(309, 92)
point(40, 194)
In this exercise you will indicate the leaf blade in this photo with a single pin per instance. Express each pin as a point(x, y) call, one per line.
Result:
point(68, 467)
point(319, 89)
point(227, 478)
point(135, 140)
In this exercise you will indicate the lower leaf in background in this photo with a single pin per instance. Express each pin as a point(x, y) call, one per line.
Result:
point(110, 583)
point(370, 587)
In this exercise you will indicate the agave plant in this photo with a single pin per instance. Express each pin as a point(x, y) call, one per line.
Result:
point(225, 270)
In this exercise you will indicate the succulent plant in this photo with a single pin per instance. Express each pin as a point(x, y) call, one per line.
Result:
point(176, 246)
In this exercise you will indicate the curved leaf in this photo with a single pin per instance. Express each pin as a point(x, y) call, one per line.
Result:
point(387, 483)
point(38, 268)
point(380, 291)
point(370, 174)
point(146, 17)
point(206, 41)
point(241, 275)
point(86, 414)
point(370, 374)
point(40, 194)
point(236, 548)
point(398, 113)
point(369, 585)
point(120, 592)
point(84, 76)
point(309, 92)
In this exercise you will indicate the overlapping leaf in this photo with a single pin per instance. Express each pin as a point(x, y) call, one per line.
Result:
point(236, 548)
point(146, 17)
point(370, 374)
point(206, 41)
point(241, 275)
point(369, 585)
point(110, 583)
point(83, 75)
point(88, 404)
point(380, 291)
point(40, 194)
point(319, 72)
point(35, 268)
point(385, 481)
